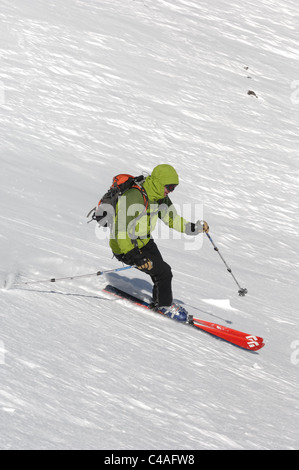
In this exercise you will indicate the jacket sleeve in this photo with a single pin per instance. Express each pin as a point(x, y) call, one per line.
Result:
point(170, 217)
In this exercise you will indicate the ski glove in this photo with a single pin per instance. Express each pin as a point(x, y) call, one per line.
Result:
point(147, 266)
point(195, 229)
point(135, 257)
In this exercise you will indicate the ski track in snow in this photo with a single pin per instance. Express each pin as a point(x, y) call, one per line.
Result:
point(95, 88)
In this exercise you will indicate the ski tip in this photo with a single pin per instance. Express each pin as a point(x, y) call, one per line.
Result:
point(254, 345)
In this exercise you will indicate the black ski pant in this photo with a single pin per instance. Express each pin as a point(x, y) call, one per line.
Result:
point(160, 274)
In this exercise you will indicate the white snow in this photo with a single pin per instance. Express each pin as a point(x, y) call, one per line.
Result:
point(90, 89)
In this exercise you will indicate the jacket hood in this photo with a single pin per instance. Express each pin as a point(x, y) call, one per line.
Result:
point(161, 175)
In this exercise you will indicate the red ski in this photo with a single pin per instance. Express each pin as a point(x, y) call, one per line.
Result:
point(239, 338)
point(244, 340)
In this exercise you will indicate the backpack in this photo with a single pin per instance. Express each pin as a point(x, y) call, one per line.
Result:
point(120, 184)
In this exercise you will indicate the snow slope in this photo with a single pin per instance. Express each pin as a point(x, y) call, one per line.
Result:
point(89, 89)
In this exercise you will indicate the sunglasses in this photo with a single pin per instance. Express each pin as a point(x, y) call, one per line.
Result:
point(170, 187)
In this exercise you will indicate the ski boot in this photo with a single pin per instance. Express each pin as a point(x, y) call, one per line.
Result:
point(153, 306)
point(177, 312)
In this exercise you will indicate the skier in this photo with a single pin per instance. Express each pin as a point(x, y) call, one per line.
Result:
point(131, 240)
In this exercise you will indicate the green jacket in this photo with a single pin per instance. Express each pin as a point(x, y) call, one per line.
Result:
point(132, 224)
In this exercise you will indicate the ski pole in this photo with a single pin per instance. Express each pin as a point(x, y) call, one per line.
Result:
point(242, 290)
point(98, 273)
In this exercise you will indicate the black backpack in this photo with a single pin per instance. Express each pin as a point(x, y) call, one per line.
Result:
point(120, 184)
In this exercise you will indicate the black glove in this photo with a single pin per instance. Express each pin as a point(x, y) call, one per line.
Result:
point(195, 229)
point(135, 257)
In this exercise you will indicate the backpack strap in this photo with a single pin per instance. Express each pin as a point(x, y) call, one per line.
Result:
point(138, 185)
point(139, 180)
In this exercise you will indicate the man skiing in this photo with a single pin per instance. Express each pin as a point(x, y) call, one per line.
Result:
point(131, 240)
